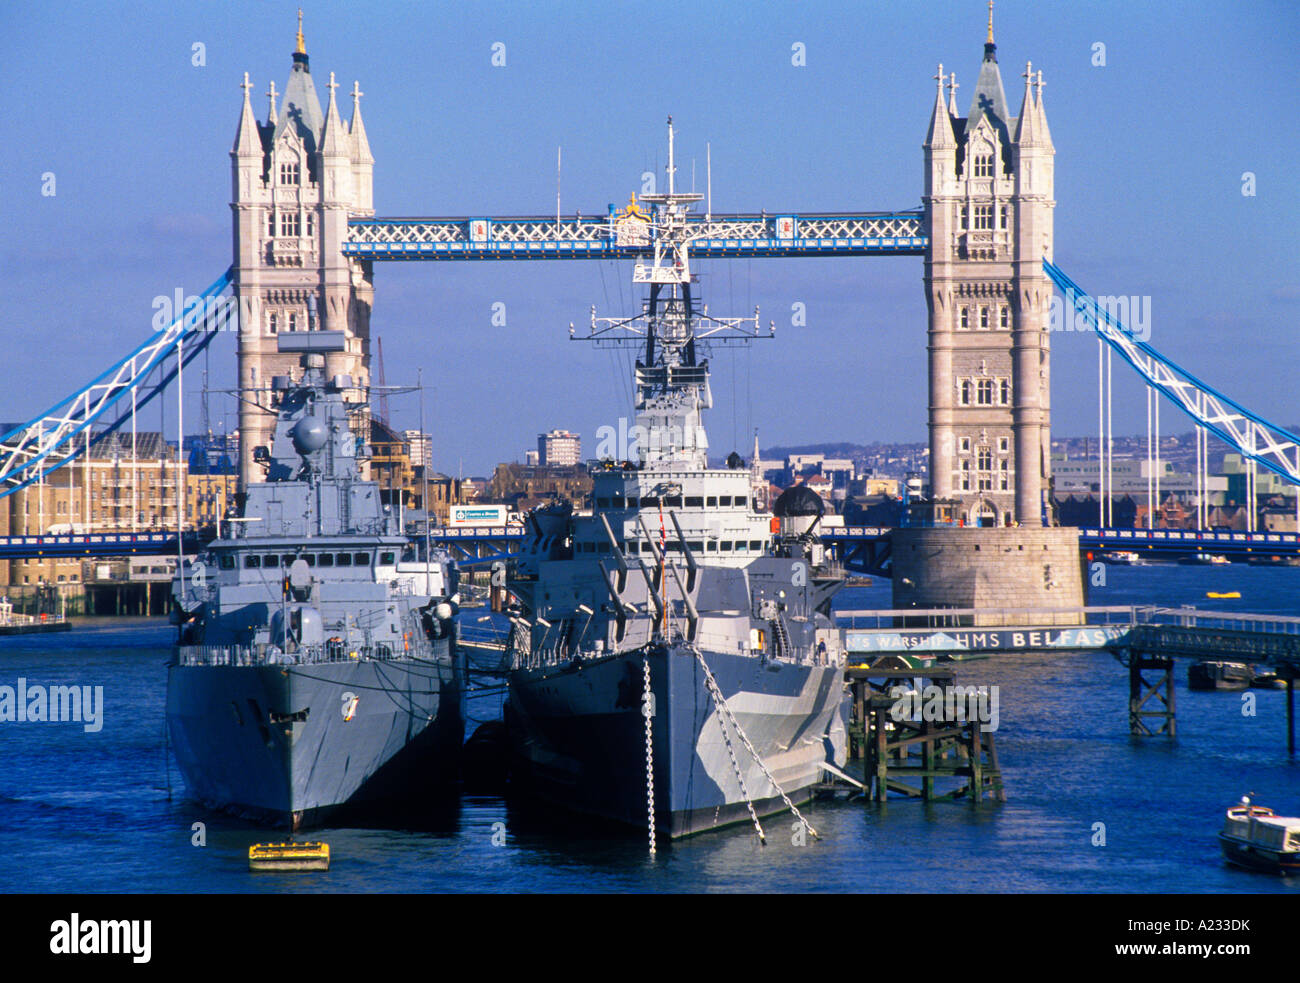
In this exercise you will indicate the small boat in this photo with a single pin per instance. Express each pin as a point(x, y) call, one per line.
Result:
point(1216, 674)
point(1267, 679)
point(1224, 595)
point(289, 856)
point(1254, 837)
point(1274, 561)
point(1121, 558)
point(1205, 560)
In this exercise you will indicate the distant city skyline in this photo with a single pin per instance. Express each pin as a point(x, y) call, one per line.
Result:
point(804, 108)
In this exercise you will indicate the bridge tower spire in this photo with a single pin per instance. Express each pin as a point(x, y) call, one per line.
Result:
point(297, 179)
point(988, 202)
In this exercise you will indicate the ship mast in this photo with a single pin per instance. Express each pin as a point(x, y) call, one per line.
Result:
point(672, 381)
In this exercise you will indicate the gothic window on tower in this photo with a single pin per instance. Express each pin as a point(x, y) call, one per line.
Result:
point(963, 319)
point(272, 324)
point(965, 475)
point(1004, 392)
point(984, 165)
point(311, 225)
point(983, 217)
point(984, 318)
point(1004, 444)
point(984, 392)
point(293, 321)
point(1004, 477)
point(961, 217)
point(1002, 217)
point(289, 173)
point(270, 224)
point(965, 445)
point(289, 224)
point(1004, 317)
point(965, 392)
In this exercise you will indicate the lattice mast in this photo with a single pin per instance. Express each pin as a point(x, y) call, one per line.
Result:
point(672, 380)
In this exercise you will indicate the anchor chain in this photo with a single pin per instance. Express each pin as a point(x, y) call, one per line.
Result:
point(648, 711)
point(716, 692)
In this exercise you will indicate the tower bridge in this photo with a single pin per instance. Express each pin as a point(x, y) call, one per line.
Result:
point(307, 238)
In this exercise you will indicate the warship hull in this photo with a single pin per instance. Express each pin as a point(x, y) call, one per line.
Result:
point(296, 746)
point(578, 736)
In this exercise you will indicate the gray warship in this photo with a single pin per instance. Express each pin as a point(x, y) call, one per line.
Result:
point(674, 663)
point(317, 672)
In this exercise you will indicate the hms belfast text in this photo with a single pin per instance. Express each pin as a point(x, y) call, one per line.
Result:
point(674, 601)
point(316, 671)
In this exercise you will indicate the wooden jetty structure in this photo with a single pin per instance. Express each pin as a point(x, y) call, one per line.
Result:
point(1146, 639)
point(905, 748)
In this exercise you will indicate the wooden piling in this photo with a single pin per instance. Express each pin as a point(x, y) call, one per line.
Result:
point(949, 748)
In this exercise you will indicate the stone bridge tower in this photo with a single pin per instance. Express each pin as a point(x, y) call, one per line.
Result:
point(988, 203)
point(296, 180)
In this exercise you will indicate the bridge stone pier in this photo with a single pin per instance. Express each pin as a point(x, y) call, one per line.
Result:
point(1009, 568)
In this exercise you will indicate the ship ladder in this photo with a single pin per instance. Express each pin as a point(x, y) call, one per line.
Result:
point(724, 710)
point(781, 636)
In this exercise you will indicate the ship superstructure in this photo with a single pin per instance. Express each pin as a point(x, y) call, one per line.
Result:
point(675, 601)
point(316, 667)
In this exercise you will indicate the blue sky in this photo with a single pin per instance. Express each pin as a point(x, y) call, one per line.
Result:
point(1151, 148)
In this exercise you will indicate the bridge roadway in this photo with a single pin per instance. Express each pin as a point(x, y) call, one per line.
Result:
point(602, 237)
point(859, 548)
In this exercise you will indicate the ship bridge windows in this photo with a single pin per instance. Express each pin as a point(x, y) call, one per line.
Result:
point(631, 502)
point(741, 501)
point(724, 501)
point(226, 561)
point(310, 558)
point(343, 560)
point(326, 559)
point(649, 503)
point(387, 559)
point(695, 501)
point(602, 503)
point(271, 560)
point(673, 502)
point(711, 501)
point(253, 561)
point(361, 559)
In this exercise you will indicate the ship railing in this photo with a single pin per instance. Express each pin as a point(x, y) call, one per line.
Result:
point(271, 655)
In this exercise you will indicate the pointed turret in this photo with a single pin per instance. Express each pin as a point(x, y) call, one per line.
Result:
point(1027, 123)
point(363, 162)
point(989, 99)
point(360, 143)
point(248, 139)
point(940, 135)
point(1045, 134)
point(952, 95)
point(301, 108)
point(335, 141)
point(272, 116)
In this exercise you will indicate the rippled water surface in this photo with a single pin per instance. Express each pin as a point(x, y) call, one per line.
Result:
point(106, 811)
